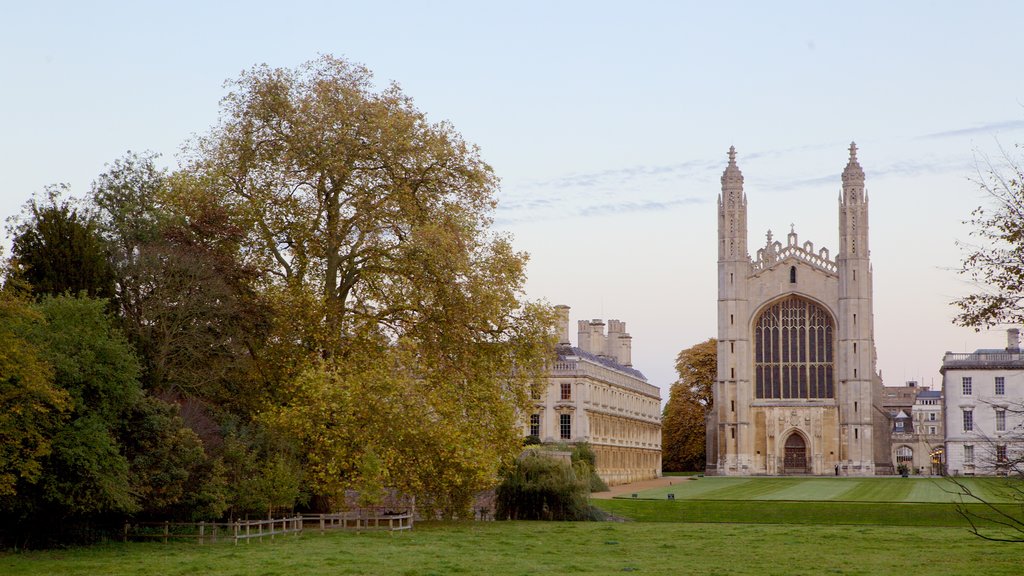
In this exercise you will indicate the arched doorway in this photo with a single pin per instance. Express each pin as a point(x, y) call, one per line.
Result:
point(795, 459)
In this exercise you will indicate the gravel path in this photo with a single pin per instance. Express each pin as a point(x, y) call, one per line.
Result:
point(638, 486)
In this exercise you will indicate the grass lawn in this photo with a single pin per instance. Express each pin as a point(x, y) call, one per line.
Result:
point(891, 489)
point(519, 548)
point(821, 501)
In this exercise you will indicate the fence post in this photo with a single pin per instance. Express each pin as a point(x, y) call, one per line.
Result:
point(202, 531)
point(234, 527)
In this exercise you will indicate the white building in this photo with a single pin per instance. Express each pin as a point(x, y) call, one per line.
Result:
point(595, 395)
point(984, 394)
point(797, 390)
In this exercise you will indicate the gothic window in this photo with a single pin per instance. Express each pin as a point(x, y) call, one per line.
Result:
point(793, 351)
point(792, 274)
point(904, 455)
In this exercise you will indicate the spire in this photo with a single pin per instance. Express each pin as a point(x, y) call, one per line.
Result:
point(732, 174)
point(853, 174)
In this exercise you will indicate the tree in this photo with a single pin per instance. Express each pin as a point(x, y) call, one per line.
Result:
point(31, 407)
point(996, 264)
point(185, 301)
point(87, 471)
point(57, 248)
point(683, 430)
point(368, 227)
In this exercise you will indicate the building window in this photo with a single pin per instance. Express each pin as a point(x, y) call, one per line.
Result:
point(1000, 420)
point(1000, 386)
point(535, 425)
point(904, 455)
point(792, 274)
point(968, 454)
point(931, 416)
point(565, 426)
point(968, 420)
point(1001, 453)
point(899, 425)
point(566, 390)
point(793, 358)
point(931, 429)
point(967, 385)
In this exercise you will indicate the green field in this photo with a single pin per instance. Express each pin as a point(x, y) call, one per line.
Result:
point(520, 548)
point(933, 490)
point(716, 526)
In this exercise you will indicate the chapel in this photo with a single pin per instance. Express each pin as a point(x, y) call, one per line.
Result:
point(797, 390)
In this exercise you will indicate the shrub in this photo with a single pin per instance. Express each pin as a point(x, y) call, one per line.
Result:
point(583, 453)
point(542, 487)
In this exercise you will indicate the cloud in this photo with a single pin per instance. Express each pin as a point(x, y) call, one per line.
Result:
point(983, 129)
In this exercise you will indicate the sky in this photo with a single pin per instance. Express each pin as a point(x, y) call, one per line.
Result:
point(608, 123)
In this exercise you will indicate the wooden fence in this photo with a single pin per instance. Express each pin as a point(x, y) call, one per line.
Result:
point(203, 532)
point(363, 519)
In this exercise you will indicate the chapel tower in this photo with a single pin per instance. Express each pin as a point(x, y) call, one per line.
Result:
point(796, 390)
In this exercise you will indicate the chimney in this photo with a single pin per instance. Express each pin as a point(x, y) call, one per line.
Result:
point(620, 343)
point(592, 338)
point(1013, 340)
point(583, 335)
point(562, 311)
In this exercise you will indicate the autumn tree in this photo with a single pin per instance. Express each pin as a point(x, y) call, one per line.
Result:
point(368, 227)
point(683, 430)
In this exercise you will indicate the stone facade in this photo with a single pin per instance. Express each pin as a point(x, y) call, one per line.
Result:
point(797, 391)
point(917, 431)
point(595, 395)
point(984, 395)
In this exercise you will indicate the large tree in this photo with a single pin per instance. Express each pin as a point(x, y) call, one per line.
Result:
point(683, 430)
point(369, 226)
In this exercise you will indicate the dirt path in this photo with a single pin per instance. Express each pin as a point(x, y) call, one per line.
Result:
point(638, 486)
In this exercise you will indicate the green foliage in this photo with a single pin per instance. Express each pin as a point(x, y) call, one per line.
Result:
point(165, 457)
point(57, 248)
point(585, 460)
point(683, 428)
point(87, 471)
point(261, 471)
point(31, 407)
point(542, 487)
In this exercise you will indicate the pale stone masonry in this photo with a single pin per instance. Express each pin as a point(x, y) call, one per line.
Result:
point(983, 397)
point(797, 390)
point(595, 395)
point(917, 431)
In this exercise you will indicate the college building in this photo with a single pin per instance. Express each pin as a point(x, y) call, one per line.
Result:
point(983, 396)
point(594, 395)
